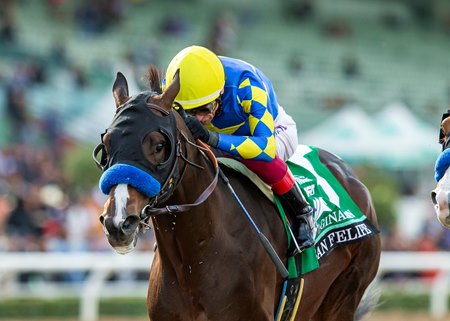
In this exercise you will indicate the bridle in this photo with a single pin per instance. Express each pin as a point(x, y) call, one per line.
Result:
point(151, 210)
point(173, 178)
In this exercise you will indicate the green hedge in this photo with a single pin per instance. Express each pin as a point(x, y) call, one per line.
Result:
point(34, 308)
point(412, 302)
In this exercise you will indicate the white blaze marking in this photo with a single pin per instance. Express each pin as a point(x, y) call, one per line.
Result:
point(442, 199)
point(121, 197)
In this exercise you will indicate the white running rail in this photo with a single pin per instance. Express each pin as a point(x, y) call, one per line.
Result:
point(101, 265)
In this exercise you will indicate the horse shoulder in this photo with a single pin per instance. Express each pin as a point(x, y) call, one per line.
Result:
point(262, 210)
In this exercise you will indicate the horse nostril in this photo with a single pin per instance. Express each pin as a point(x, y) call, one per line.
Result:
point(102, 219)
point(433, 197)
point(130, 224)
point(108, 225)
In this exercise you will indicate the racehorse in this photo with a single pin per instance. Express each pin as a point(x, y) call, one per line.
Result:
point(440, 195)
point(208, 264)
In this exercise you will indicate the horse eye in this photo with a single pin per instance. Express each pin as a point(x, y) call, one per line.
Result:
point(160, 147)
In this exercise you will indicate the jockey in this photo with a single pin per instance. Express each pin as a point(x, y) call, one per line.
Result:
point(232, 106)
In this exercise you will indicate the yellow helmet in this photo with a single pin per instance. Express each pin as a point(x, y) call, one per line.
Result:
point(202, 76)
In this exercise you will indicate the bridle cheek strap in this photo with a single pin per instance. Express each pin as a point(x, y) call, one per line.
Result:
point(148, 210)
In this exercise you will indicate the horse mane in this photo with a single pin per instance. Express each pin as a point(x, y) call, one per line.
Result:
point(153, 77)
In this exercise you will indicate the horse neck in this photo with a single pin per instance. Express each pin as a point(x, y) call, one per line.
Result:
point(185, 234)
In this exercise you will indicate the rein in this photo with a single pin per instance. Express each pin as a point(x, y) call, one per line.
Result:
point(149, 210)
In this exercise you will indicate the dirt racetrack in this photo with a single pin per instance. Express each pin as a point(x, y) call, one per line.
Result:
point(378, 316)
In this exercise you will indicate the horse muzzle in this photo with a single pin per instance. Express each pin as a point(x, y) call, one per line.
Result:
point(122, 235)
point(441, 201)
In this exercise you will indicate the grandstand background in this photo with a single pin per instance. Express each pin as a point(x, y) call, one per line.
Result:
point(367, 79)
point(329, 54)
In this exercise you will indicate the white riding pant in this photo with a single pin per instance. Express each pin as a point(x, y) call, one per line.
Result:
point(285, 134)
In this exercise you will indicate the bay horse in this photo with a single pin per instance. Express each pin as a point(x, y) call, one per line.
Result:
point(208, 263)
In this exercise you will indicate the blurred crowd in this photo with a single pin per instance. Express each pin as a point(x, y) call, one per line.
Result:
point(39, 211)
point(40, 208)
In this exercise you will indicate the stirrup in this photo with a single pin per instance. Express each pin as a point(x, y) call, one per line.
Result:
point(298, 245)
point(293, 250)
point(307, 211)
point(306, 232)
point(309, 240)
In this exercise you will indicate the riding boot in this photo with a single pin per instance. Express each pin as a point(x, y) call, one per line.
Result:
point(301, 216)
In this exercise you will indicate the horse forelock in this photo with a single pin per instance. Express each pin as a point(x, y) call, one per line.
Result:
point(153, 77)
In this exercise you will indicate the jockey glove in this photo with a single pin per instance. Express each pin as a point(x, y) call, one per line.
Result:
point(200, 132)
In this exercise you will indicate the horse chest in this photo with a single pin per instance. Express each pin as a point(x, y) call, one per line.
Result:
point(196, 294)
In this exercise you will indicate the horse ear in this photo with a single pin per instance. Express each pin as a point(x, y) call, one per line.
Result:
point(446, 126)
point(120, 89)
point(171, 92)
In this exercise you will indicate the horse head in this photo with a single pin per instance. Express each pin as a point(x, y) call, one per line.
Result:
point(440, 196)
point(138, 157)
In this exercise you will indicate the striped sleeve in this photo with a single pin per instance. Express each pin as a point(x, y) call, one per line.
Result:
point(260, 144)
